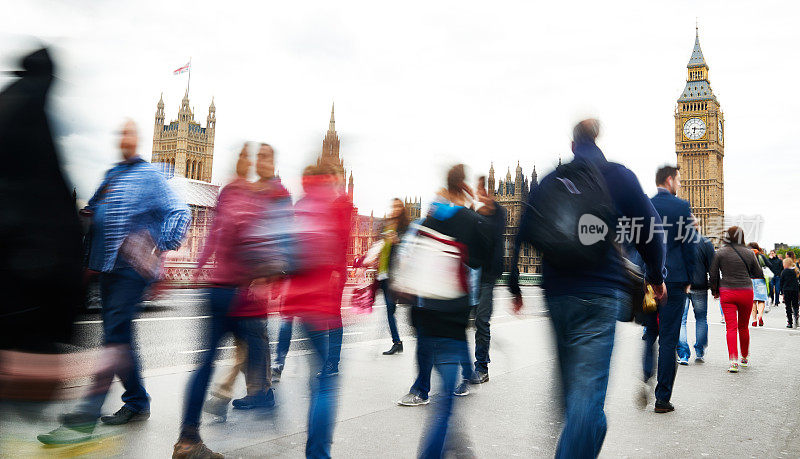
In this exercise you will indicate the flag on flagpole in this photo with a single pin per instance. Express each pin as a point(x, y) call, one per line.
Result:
point(183, 69)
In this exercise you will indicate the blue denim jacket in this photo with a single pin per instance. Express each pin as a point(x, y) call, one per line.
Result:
point(134, 196)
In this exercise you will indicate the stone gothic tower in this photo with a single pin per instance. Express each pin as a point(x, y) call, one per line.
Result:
point(183, 147)
point(490, 181)
point(330, 145)
point(699, 145)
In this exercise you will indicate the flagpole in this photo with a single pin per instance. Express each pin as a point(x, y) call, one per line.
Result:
point(189, 81)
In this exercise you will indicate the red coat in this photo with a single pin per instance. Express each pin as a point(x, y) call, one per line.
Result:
point(316, 294)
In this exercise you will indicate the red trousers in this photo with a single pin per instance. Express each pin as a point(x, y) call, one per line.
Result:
point(736, 306)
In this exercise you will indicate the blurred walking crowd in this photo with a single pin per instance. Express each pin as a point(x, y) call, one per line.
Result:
point(267, 254)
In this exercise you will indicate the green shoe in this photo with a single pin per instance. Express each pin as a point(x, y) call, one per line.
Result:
point(68, 435)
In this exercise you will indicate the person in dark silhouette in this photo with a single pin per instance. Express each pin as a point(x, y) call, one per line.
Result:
point(40, 234)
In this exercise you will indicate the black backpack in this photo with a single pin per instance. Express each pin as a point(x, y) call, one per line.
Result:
point(571, 216)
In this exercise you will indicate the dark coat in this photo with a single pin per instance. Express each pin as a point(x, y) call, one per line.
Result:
point(681, 258)
point(40, 235)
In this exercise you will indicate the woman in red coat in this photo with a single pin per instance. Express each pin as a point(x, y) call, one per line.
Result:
point(314, 293)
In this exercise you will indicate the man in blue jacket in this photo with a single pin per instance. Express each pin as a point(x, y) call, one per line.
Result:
point(585, 302)
point(135, 217)
point(678, 233)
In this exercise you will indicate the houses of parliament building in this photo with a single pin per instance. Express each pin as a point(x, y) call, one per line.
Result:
point(185, 151)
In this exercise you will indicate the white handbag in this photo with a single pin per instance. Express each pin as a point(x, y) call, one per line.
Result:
point(430, 265)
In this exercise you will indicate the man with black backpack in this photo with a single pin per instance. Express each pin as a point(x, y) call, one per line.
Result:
point(586, 285)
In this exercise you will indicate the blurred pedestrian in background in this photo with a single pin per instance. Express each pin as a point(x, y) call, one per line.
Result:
point(489, 272)
point(759, 287)
point(585, 301)
point(698, 299)
point(734, 288)
point(314, 293)
point(775, 265)
point(135, 217)
point(789, 289)
point(391, 232)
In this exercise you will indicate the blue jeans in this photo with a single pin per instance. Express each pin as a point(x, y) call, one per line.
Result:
point(699, 301)
point(426, 361)
point(324, 393)
point(251, 330)
point(584, 326)
point(665, 324)
point(120, 292)
point(285, 340)
point(446, 355)
point(483, 314)
point(391, 306)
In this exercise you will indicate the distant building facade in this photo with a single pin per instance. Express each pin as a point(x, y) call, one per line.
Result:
point(184, 151)
point(512, 193)
point(413, 207)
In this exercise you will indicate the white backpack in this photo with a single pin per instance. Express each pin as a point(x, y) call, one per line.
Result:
point(430, 264)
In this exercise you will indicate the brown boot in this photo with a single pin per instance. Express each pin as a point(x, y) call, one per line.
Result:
point(187, 450)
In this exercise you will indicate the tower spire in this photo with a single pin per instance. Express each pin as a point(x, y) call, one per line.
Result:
point(697, 59)
point(332, 125)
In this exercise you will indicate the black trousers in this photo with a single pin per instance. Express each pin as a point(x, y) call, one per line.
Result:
point(790, 298)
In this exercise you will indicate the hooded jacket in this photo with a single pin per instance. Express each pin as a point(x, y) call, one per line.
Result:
point(448, 318)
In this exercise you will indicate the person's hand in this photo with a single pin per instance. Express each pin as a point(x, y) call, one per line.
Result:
point(688, 287)
point(516, 303)
point(488, 205)
point(660, 291)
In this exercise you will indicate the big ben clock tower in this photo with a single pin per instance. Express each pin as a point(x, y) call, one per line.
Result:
point(699, 145)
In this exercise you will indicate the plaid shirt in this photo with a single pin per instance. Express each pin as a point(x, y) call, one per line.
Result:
point(136, 197)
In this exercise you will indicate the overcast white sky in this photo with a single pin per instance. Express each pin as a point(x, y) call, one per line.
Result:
point(420, 85)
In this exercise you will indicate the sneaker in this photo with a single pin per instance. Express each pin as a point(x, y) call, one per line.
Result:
point(479, 377)
point(216, 406)
point(734, 368)
point(194, 451)
point(699, 360)
point(125, 415)
point(412, 399)
point(462, 390)
point(643, 395)
point(664, 407)
point(789, 326)
point(261, 400)
point(683, 361)
point(744, 363)
point(68, 435)
point(276, 373)
point(397, 348)
point(761, 322)
point(754, 324)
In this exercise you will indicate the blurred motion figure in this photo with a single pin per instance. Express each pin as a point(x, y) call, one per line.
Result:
point(135, 217)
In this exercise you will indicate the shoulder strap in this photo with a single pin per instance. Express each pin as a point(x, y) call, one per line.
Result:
point(743, 261)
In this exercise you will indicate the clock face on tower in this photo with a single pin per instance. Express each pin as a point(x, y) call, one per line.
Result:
point(694, 129)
